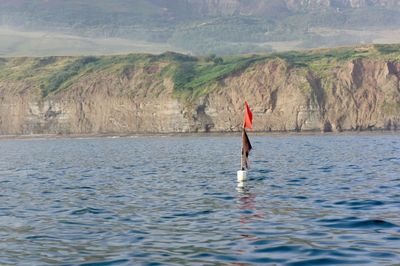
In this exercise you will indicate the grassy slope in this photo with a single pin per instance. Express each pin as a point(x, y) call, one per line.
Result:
point(193, 76)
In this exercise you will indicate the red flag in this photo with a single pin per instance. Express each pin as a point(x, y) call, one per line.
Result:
point(248, 116)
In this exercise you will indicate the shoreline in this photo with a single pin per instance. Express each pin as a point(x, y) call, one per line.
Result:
point(196, 134)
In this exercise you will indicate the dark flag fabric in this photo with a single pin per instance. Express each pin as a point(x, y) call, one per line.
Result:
point(246, 147)
point(248, 116)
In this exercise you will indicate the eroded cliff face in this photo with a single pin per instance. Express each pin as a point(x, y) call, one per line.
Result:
point(360, 94)
point(99, 103)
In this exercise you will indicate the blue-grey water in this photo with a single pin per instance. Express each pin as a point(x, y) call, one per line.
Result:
point(310, 200)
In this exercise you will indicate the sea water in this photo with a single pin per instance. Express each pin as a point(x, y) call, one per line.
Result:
point(309, 200)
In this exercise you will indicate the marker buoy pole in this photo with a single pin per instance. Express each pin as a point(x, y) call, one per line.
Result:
point(246, 146)
point(241, 174)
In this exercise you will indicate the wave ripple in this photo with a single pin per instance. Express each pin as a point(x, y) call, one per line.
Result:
point(310, 200)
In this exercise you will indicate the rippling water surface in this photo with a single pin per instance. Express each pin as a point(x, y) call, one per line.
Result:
point(310, 200)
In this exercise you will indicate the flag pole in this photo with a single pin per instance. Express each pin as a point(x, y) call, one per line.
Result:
point(241, 156)
point(242, 153)
point(242, 173)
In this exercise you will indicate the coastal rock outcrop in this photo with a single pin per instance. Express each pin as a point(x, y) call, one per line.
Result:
point(360, 94)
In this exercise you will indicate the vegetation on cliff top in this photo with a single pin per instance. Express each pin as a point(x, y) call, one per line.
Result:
point(192, 76)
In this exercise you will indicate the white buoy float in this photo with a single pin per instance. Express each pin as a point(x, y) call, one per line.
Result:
point(241, 176)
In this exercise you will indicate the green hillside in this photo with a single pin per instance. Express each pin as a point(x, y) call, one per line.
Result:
point(192, 76)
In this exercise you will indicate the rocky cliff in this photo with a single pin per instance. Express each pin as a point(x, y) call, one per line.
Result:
point(324, 90)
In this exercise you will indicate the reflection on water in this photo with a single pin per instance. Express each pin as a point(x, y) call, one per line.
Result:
point(248, 214)
point(247, 204)
point(309, 200)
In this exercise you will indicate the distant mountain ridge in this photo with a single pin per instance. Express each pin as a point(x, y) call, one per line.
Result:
point(204, 26)
point(342, 3)
point(173, 9)
point(257, 7)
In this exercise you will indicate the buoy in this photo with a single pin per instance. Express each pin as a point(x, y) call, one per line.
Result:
point(241, 175)
point(246, 146)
